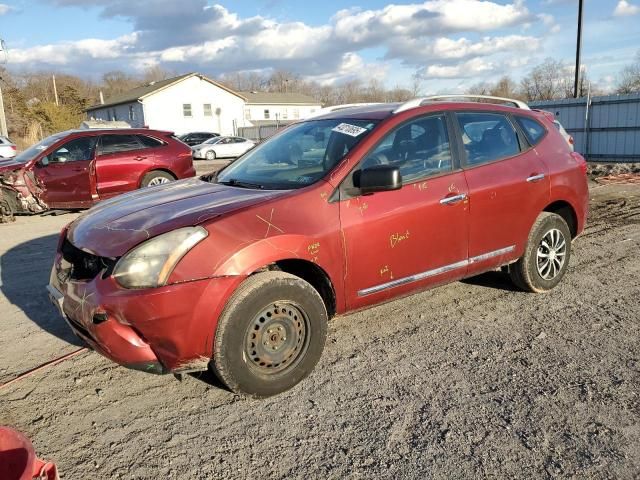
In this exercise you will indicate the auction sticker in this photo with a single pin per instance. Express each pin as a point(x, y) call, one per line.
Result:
point(349, 129)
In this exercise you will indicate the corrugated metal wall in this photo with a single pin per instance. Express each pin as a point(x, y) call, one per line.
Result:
point(612, 131)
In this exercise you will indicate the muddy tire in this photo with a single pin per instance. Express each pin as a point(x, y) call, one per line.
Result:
point(210, 155)
point(546, 256)
point(270, 335)
point(156, 177)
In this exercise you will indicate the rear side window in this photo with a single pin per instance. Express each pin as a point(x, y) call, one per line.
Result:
point(149, 141)
point(532, 129)
point(487, 137)
point(118, 143)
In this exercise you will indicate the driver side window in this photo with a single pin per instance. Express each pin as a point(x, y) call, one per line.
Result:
point(419, 148)
point(76, 150)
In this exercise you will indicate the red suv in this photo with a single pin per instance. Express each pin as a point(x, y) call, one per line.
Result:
point(78, 168)
point(240, 271)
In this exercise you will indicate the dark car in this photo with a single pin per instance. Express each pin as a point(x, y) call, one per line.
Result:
point(240, 271)
point(196, 138)
point(77, 168)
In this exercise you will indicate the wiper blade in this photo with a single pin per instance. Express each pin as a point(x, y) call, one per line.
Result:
point(239, 183)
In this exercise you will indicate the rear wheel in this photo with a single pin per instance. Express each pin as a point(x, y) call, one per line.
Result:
point(546, 257)
point(156, 177)
point(270, 335)
point(6, 210)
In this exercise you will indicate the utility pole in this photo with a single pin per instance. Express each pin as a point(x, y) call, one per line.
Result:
point(576, 84)
point(3, 119)
point(55, 90)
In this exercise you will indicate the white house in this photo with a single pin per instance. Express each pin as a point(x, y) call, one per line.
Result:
point(269, 108)
point(188, 103)
point(195, 103)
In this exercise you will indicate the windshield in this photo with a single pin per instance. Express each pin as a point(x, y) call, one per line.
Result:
point(212, 140)
point(33, 151)
point(299, 156)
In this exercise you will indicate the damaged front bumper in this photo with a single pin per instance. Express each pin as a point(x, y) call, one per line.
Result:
point(17, 197)
point(157, 330)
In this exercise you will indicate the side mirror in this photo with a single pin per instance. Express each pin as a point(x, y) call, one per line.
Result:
point(44, 161)
point(379, 178)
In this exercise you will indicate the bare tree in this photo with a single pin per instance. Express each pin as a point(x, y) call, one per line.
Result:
point(630, 77)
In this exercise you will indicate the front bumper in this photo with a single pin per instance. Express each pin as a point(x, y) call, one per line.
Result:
point(158, 330)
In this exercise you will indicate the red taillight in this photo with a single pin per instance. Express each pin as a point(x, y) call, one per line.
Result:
point(580, 161)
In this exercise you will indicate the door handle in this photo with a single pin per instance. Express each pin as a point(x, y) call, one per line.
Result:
point(453, 199)
point(535, 178)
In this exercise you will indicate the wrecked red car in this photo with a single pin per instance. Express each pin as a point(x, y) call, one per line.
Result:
point(76, 169)
point(240, 271)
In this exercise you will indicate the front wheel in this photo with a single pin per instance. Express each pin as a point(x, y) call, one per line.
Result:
point(546, 257)
point(156, 177)
point(210, 155)
point(270, 335)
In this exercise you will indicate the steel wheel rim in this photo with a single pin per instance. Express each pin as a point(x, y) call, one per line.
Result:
point(276, 338)
point(158, 181)
point(551, 254)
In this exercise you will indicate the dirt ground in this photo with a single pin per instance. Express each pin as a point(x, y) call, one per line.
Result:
point(469, 380)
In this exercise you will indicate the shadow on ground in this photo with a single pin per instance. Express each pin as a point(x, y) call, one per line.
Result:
point(497, 280)
point(24, 275)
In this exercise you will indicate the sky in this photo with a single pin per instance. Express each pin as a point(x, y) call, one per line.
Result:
point(448, 44)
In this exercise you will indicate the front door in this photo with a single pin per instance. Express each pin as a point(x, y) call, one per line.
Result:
point(411, 238)
point(66, 174)
point(508, 188)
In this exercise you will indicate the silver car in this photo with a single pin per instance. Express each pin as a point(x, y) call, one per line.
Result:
point(564, 133)
point(7, 148)
point(222, 147)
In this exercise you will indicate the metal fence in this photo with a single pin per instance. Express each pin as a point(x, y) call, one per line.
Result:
point(605, 129)
point(257, 134)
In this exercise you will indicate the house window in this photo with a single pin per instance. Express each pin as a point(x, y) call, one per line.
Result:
point(207, 110)
point(247, 114)
point(132, 113)
point(285, 114)
point(296, 113)
point(186, 110)
point(266, 113)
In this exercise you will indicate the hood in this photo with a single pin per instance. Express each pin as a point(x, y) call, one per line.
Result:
point(10, 166)
point(113, 227)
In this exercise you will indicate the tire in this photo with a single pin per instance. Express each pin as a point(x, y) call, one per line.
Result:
point(210, 155)
point(156, 177)
point(275, 319)
point(542, 266)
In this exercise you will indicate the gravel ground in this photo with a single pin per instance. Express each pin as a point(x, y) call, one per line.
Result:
point(469, 380)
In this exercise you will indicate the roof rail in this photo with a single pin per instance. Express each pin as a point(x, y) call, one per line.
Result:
point(343, 106)
point(417, 102)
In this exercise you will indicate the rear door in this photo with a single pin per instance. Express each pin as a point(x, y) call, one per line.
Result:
point(122, 160)
point(410, 238)
point(508, 187)
point(66, 174)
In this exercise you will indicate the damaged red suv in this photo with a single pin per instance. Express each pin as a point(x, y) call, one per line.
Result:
point(240, 271)
point(78, 168)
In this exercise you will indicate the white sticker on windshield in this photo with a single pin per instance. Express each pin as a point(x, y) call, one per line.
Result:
point(349, 129)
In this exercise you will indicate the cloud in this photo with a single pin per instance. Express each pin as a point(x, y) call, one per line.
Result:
point(4, 8)
point(196, 35)
point(625, 9)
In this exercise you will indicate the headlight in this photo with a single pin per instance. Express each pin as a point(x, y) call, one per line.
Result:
point(151, 263)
